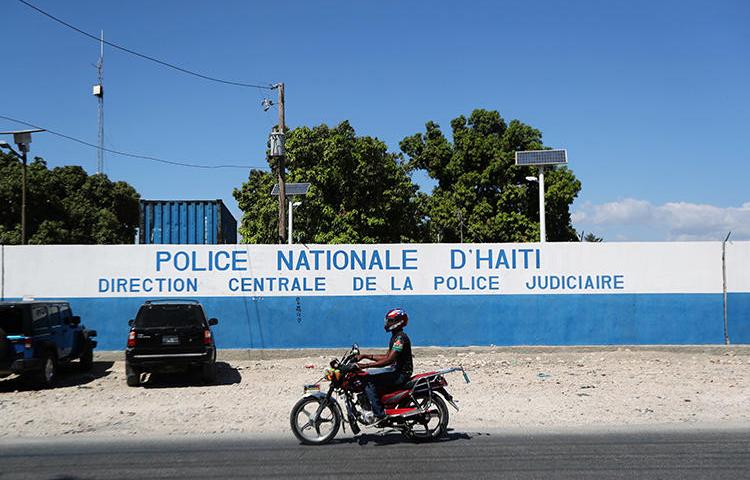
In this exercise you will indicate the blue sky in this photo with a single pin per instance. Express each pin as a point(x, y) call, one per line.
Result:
point(650, 98)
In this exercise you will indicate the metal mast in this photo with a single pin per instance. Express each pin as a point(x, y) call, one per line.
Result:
point(99, 93)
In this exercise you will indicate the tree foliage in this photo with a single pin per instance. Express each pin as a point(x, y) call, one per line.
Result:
point(590, 237)
point(360, 193)
point(65, 205)
point(481, 195)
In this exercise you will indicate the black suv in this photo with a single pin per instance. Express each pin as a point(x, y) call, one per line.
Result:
point(37, 336)
point(169, 335)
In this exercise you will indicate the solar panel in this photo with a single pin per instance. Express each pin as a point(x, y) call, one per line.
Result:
point(292, 189)
point(542, 157)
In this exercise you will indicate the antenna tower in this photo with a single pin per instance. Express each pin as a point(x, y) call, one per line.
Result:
point(98, 92)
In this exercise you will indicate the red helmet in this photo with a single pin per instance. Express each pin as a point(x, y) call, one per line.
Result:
point(396, 319)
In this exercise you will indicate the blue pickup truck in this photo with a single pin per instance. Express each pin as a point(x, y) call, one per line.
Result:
point(37, 336)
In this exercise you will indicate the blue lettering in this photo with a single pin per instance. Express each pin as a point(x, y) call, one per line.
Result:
point(481, 259)
point(177, 257)
point(337, 265)
point(195, 267)
point(239, 261)
point(406, 259)
point(376, 260)
point(287, 260)
point(455, 260)
point(502, 259)
point(359, 260)
point(161, 257)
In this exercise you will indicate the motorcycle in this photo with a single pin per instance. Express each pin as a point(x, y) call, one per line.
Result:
point(418, 410)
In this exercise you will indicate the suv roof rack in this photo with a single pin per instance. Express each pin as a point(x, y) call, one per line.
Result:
point(172, 300)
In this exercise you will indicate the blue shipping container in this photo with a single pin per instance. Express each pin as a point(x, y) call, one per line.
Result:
point(186, 222)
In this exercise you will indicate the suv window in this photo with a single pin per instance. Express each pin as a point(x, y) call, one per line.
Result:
point(39, 320)
point(65, 312)
point(54, 315)
point(11, 320)
point(151, 316)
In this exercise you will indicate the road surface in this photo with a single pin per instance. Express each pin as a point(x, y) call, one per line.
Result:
point(681, 454)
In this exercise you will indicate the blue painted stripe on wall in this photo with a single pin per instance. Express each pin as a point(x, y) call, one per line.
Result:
point(738, 314)
point(272, 322)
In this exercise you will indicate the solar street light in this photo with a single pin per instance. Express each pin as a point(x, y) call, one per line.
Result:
point(540, 159)
point(292, 189)
point(22, 139)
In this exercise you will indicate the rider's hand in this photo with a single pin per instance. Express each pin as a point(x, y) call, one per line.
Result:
point(359, 358)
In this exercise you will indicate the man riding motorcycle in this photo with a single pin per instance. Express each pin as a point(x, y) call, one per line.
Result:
point(398, 359)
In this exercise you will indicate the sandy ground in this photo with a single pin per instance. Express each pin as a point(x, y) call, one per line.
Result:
point(510, 389)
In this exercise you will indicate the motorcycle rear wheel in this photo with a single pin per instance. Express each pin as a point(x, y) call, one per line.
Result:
point(312, 432)
point(431, 426)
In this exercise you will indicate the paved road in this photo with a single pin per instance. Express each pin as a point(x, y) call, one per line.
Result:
point(706, 454)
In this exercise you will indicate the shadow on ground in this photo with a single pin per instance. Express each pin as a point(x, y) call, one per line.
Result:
point(225, 375)
point(67, 376)
point(394, 438)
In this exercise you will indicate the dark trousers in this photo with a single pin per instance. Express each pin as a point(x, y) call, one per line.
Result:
point(381, 383)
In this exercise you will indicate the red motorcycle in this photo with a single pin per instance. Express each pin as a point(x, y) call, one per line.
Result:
point(418, 410)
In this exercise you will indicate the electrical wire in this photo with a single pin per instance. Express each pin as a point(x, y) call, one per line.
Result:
point(144, 56)
point(131, 155)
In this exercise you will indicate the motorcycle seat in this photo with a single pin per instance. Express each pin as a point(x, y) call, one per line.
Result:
point(398, 395)
point(413, 380)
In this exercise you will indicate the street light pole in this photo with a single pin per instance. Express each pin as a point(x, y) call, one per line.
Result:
point(23, 198)
point(292, 204)
point(291, 222)
point(542, 224)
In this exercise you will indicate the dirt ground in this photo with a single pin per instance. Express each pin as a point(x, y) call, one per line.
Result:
point(509, 389)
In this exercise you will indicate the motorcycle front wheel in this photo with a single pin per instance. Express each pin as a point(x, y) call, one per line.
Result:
point(429, 426)
point(307, 428)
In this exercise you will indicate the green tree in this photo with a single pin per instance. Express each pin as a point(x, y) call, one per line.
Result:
point(480, 193)
point(359, 193)
point(65, 205)
point(590, 237)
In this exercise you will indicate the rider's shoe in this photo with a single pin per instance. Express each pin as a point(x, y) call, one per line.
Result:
point(371, 420)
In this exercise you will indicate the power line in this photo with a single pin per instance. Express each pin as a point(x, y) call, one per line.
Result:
point(144, 56)
point(131, 155)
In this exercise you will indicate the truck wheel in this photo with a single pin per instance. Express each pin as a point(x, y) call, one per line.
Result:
point(87, 358)
point(132, 376)
point(47, 377)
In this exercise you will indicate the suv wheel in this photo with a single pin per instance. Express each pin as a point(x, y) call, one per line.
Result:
point(4, 345)
point(87, 357)
point(48, 375)
point(132, 376)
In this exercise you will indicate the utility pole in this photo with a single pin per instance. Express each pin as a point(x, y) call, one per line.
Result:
point(280, 166)
point(98, 92)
